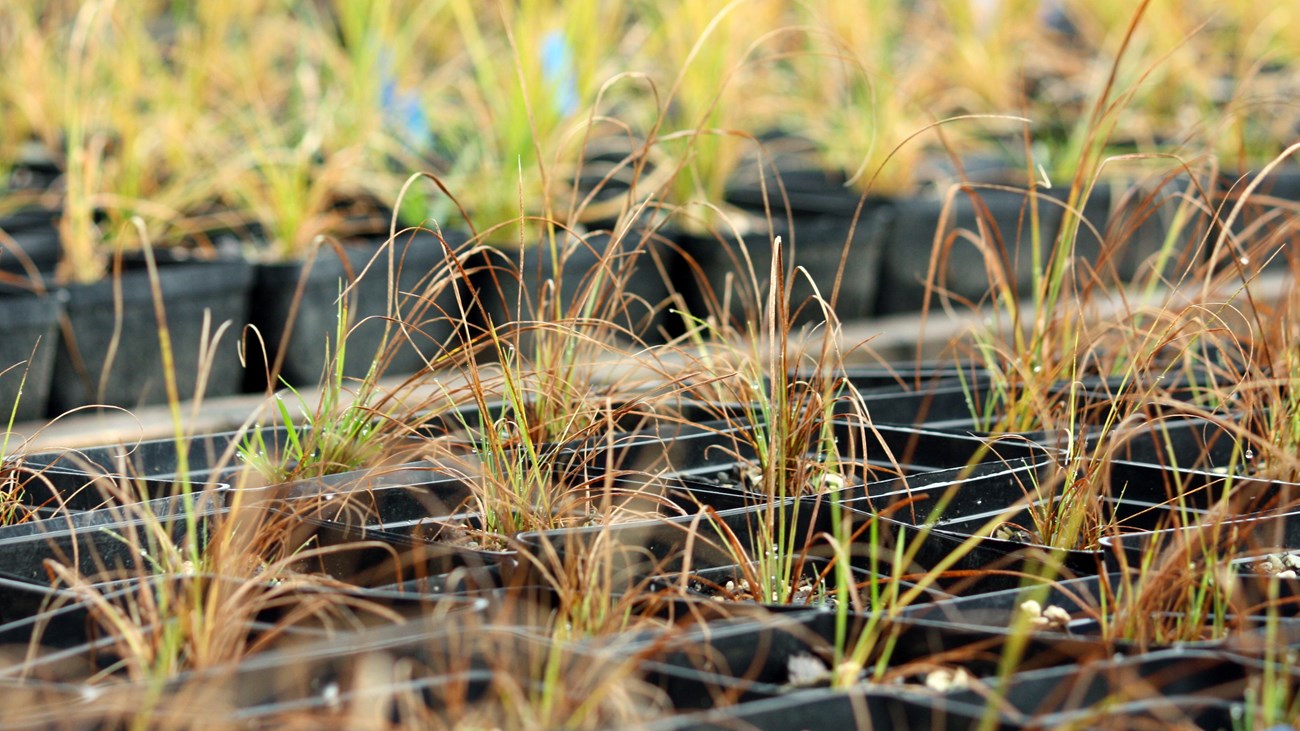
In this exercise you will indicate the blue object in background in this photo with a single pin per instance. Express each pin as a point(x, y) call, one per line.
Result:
point(403, 111)
point(557, 72)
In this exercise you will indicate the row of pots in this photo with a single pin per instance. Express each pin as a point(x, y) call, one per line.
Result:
point(1122, 228)
point(774, 665)
point(100, 343)
point(891, 241)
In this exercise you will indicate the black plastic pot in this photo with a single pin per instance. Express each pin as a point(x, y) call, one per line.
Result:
point(1116, 513)
point(417, 505)
point(922, 449)
point(215, 458)
point(781, 656)
point(1188, 443)
point(905, 376)
point(866, 708)
point(814, 243)
point(1196, 463)
point(93, 655)
point(965, 274)
point(728, 585)
point(973, 490)
point(1248, 539)
point(59, 617)
point(1264, 227)
point(28, 220)
point(420, 500)
point(29, 336)
point(34, 231)
point(703, 448)
point(993, 491)
point(1147, 231)
point(49, 494)
point(208, 456)
point(99, 543)
point(1166, 688)
point(643, 549)
point(803, 185)
point(300, 299)
point(617, 280)
point(917, 451)
point(988, 564)
point(998, 610)
point(1087, 602)
point(63, 618)
point(963, 408)
point(869, 455)
point(111, 545)
point(389, 499)
point(850, 481)
point(65, 641)
point(1007, 491)
point(104, 359)
point(418, 508)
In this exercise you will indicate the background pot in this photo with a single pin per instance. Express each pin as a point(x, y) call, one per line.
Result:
point(29, 216)
point(93, 368)
point(511, 284)
point(813, 242)
point(28, 338)
point(312, 325)
point(906, 258)
point(1145, 220)
point(35, 232)
point(1266, 222)
point(1188, 687)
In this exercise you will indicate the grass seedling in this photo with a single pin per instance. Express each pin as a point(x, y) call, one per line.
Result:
point(1182, 585)
point(13, 510)
point(789, 427)
point(343, 432)
point(1272, 698)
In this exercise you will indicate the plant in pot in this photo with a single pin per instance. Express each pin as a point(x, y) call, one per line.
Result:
point(538, 80)
point(713, 55)
point(1155, 352)
point(1175, 85)
point(1131, 347)
point(28, 204)
point(1143, 360)
point(804, 437)
point(546, 432)
point(352, 427)
point(117, 201)
point(227, 573)
point(28, 237)
point(526, 479)
point(856, 60)
point(299, 176)
point(453, 669)
point(250, 579)
point(1224, 580)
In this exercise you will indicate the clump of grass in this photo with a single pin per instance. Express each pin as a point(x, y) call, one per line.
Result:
point(342, 432)
point(1188, 584)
